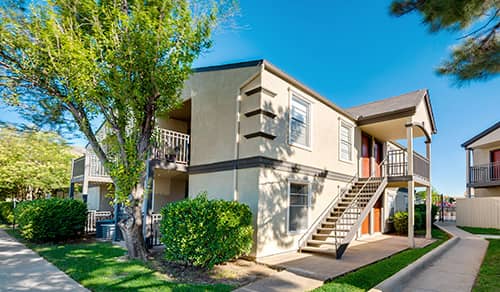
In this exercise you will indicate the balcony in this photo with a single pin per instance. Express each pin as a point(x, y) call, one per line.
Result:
point(484, 175)
point(397, 165)
point(171, 147)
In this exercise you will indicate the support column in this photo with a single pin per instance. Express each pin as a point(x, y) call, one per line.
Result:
point(72, 190)
point(411, 187)
point(86, 174)
point(428, 199)
point(467, 172)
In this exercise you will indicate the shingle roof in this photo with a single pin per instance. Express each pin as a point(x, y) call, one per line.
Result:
point(481, 135)
point(391, 104)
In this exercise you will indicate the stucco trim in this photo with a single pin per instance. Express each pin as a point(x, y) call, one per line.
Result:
point(265, 162)
point(260, 112)
point(260, 134)
point(481, 135)
point(260, 89)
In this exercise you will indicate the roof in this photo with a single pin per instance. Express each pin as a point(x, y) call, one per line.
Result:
point(400, 104)
point(229, 66)
point(481, 135)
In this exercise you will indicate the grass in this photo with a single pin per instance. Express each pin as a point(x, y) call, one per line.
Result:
point(367, 277)
point(100, 267)
point(488, 278)
point(479, 230)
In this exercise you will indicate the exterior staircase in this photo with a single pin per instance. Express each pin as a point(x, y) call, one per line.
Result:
point(339, 226)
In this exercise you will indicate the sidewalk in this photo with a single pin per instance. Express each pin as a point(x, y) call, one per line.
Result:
point(21, 269)
point(456, 269)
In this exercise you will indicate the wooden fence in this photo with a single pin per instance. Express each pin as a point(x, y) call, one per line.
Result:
point(478, 212)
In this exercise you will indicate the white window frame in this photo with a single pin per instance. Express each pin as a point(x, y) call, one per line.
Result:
point(300, 182)
point(343, 123)
point(294, 95)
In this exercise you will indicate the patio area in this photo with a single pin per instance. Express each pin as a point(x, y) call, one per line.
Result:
point(359, 254)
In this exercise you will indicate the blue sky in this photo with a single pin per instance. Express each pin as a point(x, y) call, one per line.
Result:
point(353, 53)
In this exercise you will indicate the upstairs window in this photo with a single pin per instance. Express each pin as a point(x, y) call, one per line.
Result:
point(300, 122)
point(298, 206)
point(345, 139)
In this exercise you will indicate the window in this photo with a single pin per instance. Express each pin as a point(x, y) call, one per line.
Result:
point(300, 119)
point(298, 205)
point(345, 141)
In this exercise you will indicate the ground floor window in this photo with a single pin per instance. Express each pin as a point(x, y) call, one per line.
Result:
point(298, 206)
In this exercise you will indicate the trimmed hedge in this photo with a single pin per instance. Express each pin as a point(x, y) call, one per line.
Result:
point(204, 233)
point(51, 220)
point(401, 219)
point(6, 212)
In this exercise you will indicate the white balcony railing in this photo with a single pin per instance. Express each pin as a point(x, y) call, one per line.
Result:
point(169, 145)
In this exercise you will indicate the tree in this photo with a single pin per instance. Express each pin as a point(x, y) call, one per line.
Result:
point(32, 164)
point(67, 63)
point(478, 56)
point(436, 197)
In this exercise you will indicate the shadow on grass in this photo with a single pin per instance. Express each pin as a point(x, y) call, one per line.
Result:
point(368, 277)
point(101, 267)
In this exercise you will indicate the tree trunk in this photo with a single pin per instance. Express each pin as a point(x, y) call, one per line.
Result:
point(132, 228)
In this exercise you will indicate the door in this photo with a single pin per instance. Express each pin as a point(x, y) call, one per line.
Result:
point(365, 226)
point(377, 216)
point(495, 164)
point(378, 149)
point(365, 155)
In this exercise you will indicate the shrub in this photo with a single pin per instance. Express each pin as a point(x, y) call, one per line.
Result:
point(401, 222)
point(421, 208)
point(50, 220)
point(204, 232)
point(6, 212)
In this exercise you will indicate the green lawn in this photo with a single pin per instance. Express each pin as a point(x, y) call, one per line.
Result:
point(478, 230)
point(98, 267)
point(366, 278)
point(489, 274)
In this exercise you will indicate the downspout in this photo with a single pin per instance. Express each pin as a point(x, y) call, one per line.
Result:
point(237, 132)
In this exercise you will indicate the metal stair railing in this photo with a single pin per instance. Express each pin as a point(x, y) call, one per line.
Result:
point(340, 242)
point(303, 239)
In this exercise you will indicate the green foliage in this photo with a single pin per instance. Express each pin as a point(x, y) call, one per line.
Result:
point(33, 163)
point(477, 57)
point(206, 232)
point(487, 279)
point(401, 219)
point(51, 220)
point(401, 222)
point(6, 212)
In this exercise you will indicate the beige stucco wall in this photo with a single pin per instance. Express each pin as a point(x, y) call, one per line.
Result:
point(324, 151)
point(478, 212)
point(213, 112)
point(218, 185)
point(272, 230)
point(483, 155)
point(487, 192)
point(173, 124)
point(422, 115)
point(167, 189)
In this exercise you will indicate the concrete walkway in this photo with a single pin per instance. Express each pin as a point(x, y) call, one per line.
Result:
point(21, 269)
point(306, 271)
point(456, 269)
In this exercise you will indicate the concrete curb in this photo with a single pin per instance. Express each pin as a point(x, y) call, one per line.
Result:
point(397, 281)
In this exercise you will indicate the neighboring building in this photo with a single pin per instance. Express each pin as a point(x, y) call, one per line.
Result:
point(315, 175)
point(483, 163)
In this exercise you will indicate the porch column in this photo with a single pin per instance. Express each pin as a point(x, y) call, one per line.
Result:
point(72, 190)
point(428, 199)
point(411, 186)
point(467, 171)
point(86, 174)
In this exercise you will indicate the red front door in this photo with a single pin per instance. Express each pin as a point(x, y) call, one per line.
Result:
point(365, 155)
point(495, 164)
point(377, 148)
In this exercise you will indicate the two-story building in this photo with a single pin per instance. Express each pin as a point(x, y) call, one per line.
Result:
point(314, 175)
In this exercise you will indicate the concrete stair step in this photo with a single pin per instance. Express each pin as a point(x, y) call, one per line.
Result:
point(319, 250)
